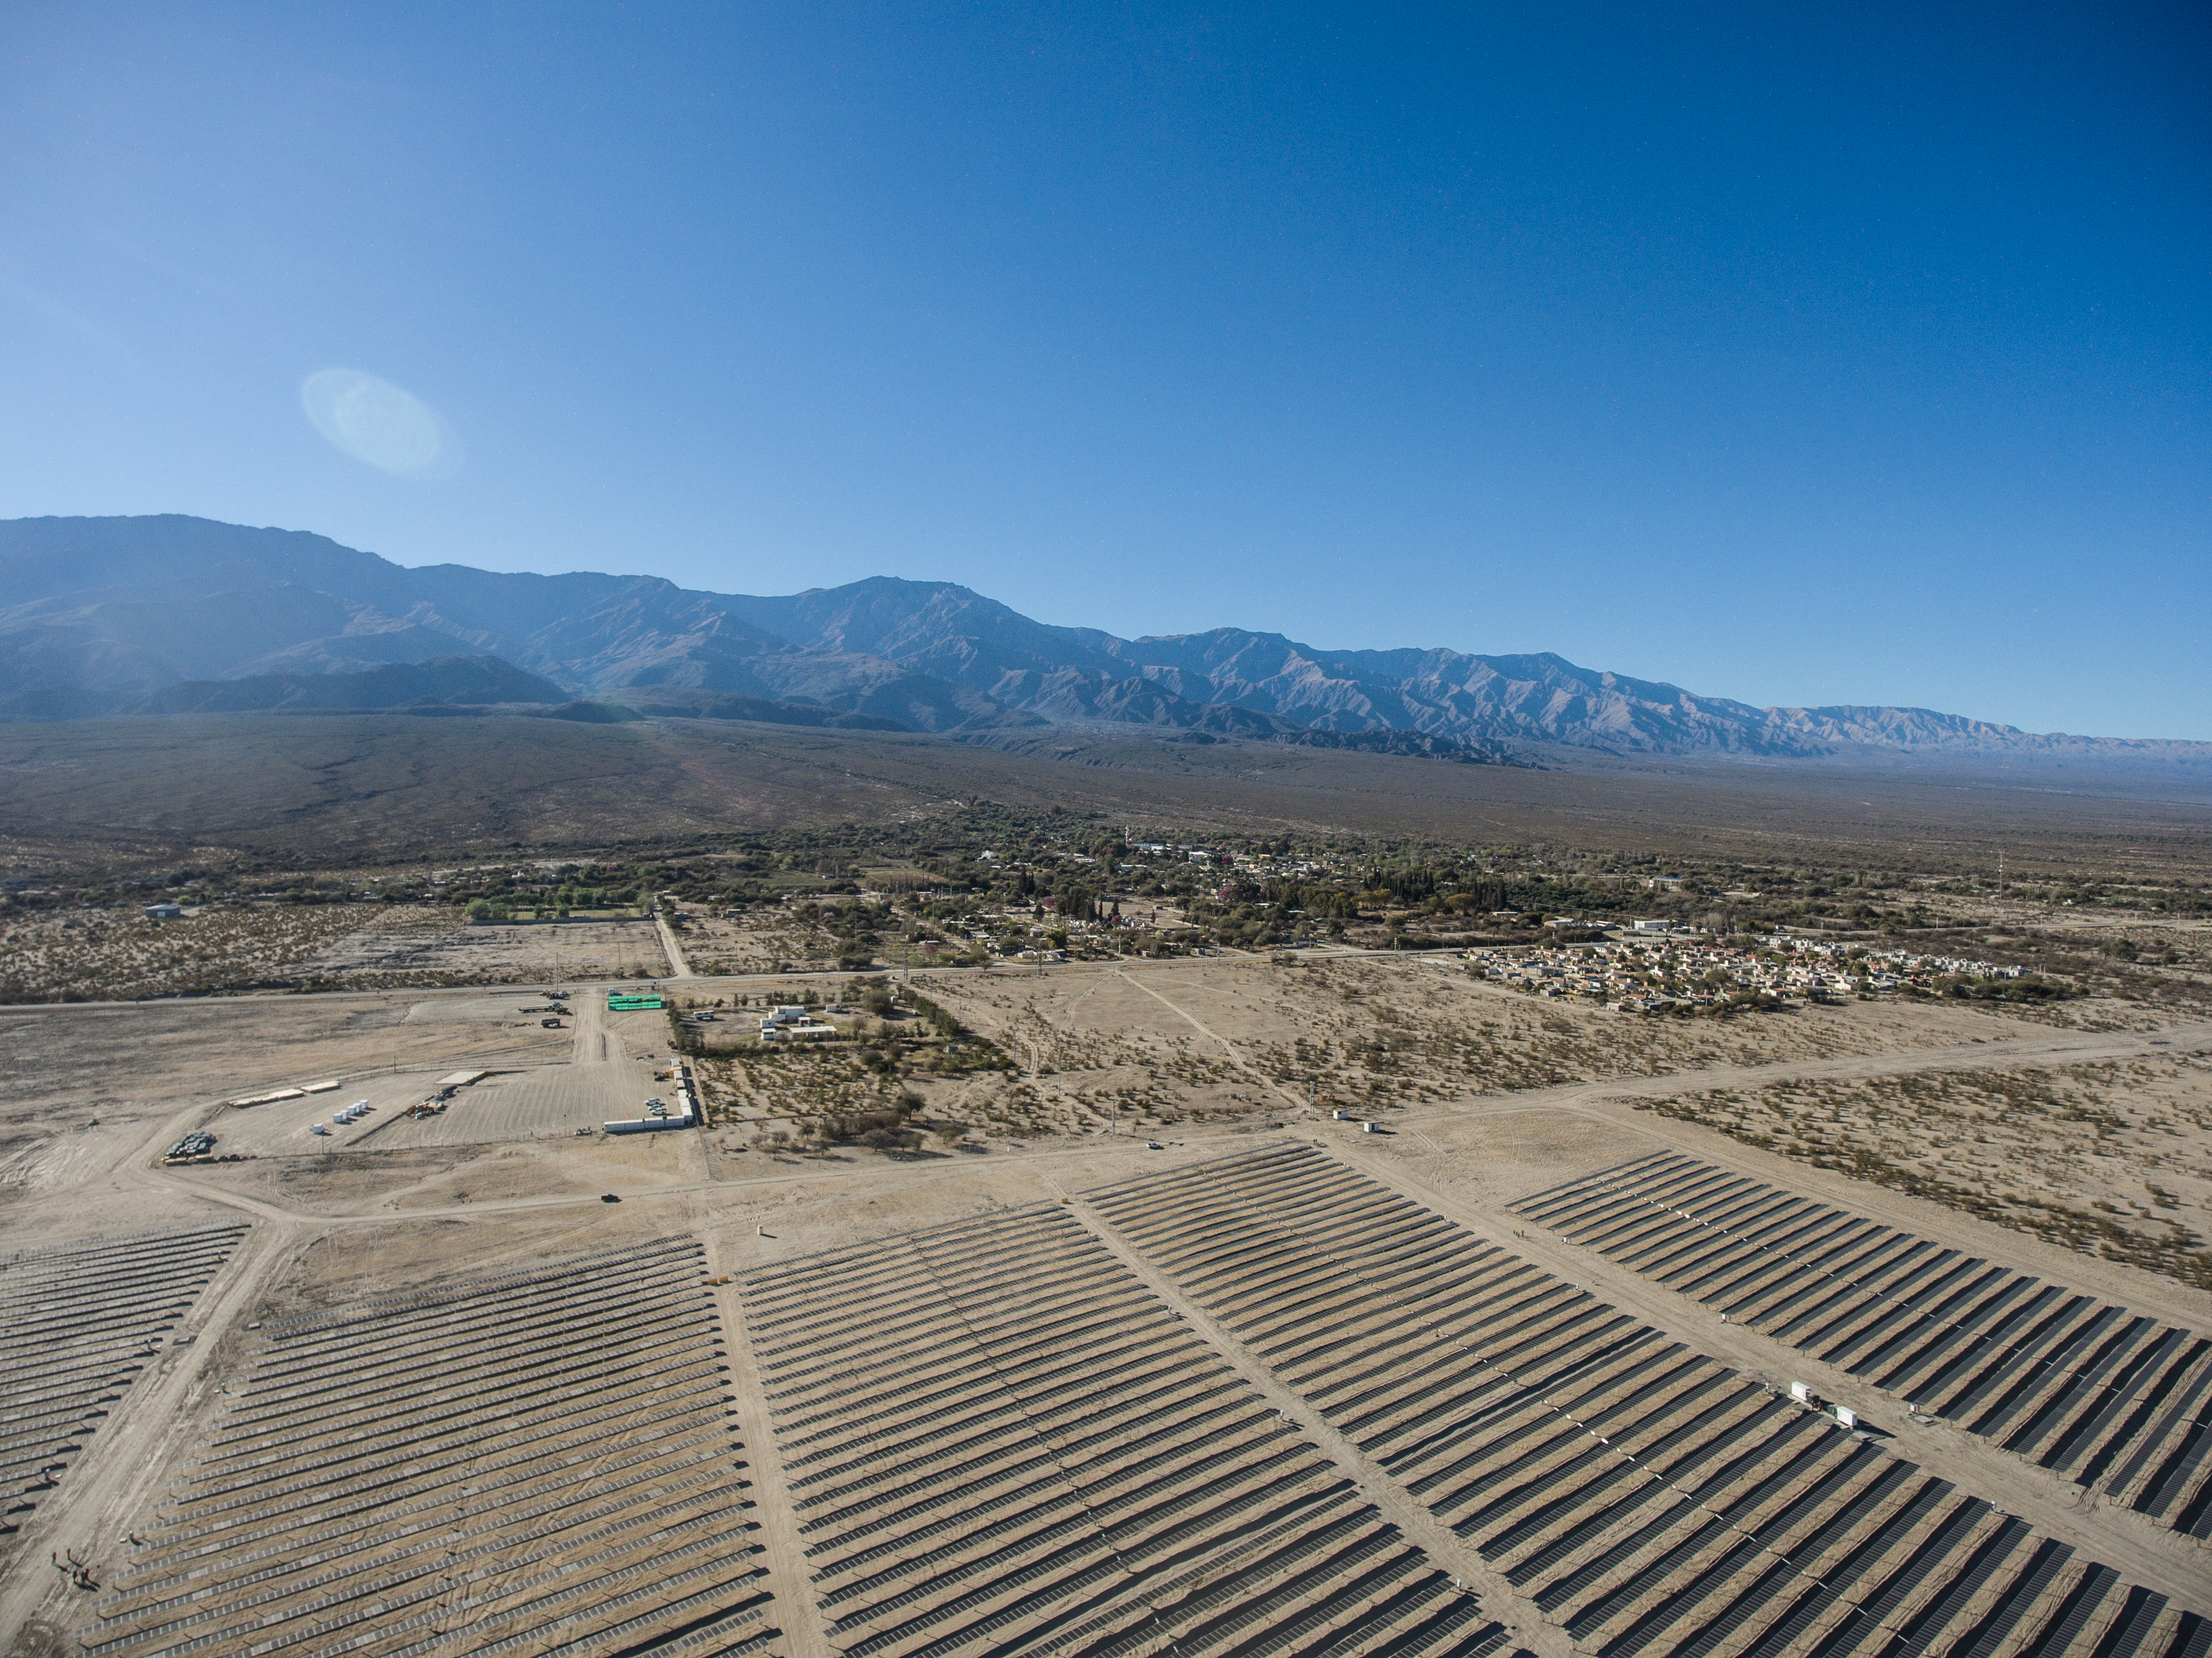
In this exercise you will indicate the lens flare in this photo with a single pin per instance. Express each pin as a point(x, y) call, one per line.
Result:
point(377, 423)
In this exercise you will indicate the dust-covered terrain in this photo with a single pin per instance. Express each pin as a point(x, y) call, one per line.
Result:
point(267, 787)
point(473, 1209)
point(2113, 1157)
point(946, 1233)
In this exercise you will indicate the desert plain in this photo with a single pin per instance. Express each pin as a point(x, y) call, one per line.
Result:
point(1325, 1293)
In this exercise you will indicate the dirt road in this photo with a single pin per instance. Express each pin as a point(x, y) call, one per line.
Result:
point(678, 966)
point(114, 1479)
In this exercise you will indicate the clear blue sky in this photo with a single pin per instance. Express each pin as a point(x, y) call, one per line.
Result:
point(1806, 354)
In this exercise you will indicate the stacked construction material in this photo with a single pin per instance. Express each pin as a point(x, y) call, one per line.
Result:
point(1645, 1497)
point(997, 1440)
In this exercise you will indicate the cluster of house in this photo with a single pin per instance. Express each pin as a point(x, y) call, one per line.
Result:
point(1251, 866)
point(795, 1024)
point(1016, 934)
point(1660, 969)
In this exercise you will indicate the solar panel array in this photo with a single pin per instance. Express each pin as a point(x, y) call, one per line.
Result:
point(77, 1325)
point(1646, 1497)
point(541, 1462)
point(997, 1440)
point(2107, 1398)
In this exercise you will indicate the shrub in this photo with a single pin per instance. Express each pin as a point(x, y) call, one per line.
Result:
point(859, 1124)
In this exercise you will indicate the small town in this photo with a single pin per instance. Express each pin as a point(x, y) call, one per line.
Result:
point(1659, 969)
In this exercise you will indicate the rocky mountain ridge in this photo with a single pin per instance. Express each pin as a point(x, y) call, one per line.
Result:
point(102, 615)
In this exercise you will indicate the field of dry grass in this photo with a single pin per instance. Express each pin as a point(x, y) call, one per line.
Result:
point(404, 946)
point(781, 939)
point(2111, 1158)
point(117, 954)
point(1240, 1040)
point(99, 955)
point(1369, 1033)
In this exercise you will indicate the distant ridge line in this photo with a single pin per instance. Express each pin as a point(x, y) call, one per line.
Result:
point(170, 613)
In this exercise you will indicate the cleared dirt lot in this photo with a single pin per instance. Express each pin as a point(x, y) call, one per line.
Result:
point(550, 1102)
point(78, 1086)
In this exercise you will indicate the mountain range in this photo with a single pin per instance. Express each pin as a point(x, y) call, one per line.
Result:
point(101, 616)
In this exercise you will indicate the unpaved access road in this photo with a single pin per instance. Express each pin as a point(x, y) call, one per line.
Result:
point(678, 966)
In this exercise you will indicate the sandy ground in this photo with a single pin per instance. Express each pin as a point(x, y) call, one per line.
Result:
point(769, 939)
point(403, 950)
point(100, 955)
point(93, 955)
point(63, 1070)
point(1487, 1096)
point(2110, 1157)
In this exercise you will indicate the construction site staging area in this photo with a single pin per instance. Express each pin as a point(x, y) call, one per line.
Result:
point(1336, 1299)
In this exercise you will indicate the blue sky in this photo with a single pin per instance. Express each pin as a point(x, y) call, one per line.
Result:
point(1804, 355)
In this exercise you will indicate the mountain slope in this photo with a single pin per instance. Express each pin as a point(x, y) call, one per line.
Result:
point(98, 614)
point(103, 612)
point(445, 680)
point(1204, 681)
